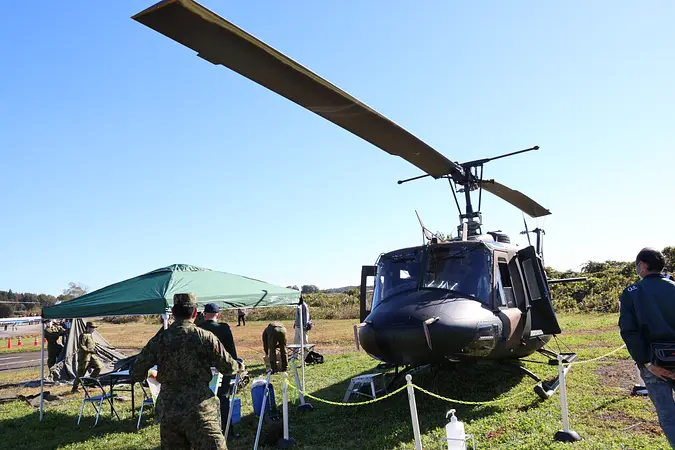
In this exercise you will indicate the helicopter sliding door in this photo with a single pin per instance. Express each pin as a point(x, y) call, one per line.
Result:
point(543, 318)
point(365, 306)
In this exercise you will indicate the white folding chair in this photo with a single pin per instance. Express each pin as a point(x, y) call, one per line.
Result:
point(93, 383)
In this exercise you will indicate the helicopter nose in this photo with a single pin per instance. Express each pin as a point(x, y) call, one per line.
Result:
point(402, 340)
point(423, 335)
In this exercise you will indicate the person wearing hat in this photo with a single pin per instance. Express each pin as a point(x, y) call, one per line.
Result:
point(647, 316)
point(224, 334)
point(221, 329)
point(86, 355)
point(187, 409)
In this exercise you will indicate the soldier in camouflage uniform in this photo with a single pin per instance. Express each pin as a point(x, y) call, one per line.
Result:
point(187, 409)
point(52, 334)
point(273, 337)
point(86, 355)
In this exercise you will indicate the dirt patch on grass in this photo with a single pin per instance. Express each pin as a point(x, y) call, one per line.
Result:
point(621, 374)
point(494, 434)
point(624, 423)
point(595, 344)
point(593, 331)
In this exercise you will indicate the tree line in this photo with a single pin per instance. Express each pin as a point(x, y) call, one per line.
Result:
point(13, 303)
point(606, 281)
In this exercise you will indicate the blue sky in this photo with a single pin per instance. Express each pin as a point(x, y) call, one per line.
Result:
point(122, 151)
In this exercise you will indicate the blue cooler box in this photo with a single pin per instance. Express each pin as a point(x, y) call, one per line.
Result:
point(257, 393)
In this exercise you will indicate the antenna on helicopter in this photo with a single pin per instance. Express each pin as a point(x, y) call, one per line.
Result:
point(426, 233)
point(540, 240)
point(526, 232)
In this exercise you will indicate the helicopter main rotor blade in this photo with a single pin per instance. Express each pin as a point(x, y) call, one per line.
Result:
point(516, 198)
point(221, 42)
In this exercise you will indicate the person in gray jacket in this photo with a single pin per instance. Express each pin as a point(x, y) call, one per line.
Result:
point(647, 316)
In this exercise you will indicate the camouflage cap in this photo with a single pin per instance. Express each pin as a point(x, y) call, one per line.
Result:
point(185, 299)
point(90, 325)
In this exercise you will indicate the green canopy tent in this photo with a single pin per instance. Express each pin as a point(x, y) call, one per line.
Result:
point(152, 293)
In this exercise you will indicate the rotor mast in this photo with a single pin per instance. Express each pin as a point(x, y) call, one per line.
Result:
point(470, 178)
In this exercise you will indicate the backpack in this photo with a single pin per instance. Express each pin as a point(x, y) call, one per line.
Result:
point(313, 358)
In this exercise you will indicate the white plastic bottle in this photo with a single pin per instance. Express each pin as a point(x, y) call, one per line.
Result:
point(455, 430)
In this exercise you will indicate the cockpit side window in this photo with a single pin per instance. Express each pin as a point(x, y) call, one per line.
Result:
point(397, 273)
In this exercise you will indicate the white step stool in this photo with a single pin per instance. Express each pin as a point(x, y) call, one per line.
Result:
point(357, 382)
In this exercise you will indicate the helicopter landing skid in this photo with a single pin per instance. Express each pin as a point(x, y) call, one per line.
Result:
point(546, 389)
point(398, 375)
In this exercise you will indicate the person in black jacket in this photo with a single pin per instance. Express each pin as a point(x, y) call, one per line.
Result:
point(647, 316)
point(224, 335)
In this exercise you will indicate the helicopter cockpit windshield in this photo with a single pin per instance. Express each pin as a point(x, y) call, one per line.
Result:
point(396, 273)
point(465, 269)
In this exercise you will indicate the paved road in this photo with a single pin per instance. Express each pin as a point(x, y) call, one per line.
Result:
point(11, 361)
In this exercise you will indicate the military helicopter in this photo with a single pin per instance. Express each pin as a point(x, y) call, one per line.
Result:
point(476, 296)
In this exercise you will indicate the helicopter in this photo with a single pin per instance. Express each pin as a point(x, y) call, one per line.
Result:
point(476, 296)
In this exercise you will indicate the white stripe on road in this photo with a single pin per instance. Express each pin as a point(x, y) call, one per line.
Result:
point(18, 362)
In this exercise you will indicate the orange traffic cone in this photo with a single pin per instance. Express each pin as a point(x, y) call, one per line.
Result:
point(35, 344)
point(9, 342)
point(19, 344)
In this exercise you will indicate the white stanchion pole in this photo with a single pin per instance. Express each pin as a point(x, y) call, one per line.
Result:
point(42, 368)
point(563, 395)
point(566, 435)
point(285, 405)
point(262, 410)
point(413, 413)
point(287, 441)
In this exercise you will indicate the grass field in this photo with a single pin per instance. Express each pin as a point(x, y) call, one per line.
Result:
point(601, 408)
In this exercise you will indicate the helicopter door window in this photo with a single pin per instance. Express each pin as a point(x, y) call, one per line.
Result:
point(517, 283)
point(509, 299)
point(530, 279)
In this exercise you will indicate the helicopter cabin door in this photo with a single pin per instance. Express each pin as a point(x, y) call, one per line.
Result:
point(543, 318)
point(365, 305)
point(504, 300)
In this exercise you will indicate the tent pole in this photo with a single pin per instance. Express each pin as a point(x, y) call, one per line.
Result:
point(42, 367)
point(302, 341)
point(165, 320)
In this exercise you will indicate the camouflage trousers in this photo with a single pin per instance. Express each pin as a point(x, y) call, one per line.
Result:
point(84, 364)
point(185, 426)
point(53, 352)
